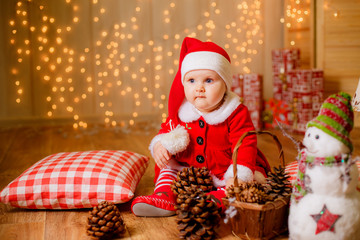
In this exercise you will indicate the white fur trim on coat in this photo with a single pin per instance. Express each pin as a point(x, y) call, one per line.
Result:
point(174, 141)
point(188, 113)
point(217, 182)
point(243, 173)
point(153, 142)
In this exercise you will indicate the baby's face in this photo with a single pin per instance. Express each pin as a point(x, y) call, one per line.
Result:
point(205, 89)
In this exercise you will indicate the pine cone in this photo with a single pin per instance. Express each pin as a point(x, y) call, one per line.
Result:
point(252, 192)
point(230, 191)
point(104, 221)
point(197, 215)
point(192, 179)
point(278, 184)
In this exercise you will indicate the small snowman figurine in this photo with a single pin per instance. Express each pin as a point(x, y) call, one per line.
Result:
point(325, 203)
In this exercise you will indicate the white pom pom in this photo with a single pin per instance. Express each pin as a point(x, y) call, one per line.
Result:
point(176, 140)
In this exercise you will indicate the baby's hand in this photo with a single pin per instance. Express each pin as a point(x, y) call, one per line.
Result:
point(161, 155)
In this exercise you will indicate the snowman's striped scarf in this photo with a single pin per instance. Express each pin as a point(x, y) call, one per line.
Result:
point(305, 161)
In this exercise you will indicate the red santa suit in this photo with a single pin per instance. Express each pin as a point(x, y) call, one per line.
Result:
point(208, 140)
point(198, 139)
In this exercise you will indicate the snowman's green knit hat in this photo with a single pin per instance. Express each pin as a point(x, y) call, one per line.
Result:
point(336, 118)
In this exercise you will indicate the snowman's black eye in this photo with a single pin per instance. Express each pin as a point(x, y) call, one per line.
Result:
point(317, 137)
point(309, 134)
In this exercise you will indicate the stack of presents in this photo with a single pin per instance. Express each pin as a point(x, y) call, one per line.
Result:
point(297, 96)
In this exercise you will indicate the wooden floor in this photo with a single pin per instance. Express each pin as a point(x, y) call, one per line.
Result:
point(23, 146)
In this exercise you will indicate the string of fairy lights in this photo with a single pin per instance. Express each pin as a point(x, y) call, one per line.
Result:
point(119, 74)
point(297, 13)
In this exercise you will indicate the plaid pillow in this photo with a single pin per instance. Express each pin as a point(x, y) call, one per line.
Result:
point(291, 169)
point(77, 180)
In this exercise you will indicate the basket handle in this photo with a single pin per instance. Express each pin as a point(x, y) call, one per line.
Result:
point(235, 152)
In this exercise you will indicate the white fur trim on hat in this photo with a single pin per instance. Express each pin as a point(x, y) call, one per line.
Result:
point(207, 60)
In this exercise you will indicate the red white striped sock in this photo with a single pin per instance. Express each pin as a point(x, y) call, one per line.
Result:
point(161, 203)
point(165, 178)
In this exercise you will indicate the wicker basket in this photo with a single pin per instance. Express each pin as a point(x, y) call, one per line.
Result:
point(258, 221)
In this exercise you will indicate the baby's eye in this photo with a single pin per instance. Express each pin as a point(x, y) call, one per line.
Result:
point(209, 80)
point(317, 137)
point(191, 80)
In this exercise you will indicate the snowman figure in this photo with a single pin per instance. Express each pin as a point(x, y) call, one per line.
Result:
point(325, 203)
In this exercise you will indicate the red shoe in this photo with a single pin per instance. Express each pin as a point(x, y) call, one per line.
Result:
point(160, 204)
point(216, 196)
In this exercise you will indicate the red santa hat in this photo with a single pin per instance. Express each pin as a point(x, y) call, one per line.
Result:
point(195, 55)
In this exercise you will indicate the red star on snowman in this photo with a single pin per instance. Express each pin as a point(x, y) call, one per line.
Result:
point(325, 220)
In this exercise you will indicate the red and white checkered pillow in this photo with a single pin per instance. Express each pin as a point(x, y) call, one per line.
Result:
point(77, 180)
point(291, 169)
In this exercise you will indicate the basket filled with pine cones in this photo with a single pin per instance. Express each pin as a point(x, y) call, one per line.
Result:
point(259, 211)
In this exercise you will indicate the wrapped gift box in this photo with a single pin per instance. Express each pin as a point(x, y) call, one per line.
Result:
point(238, 85)
point(249, 88)
point(283, 60)
point(307, 95)
point(277, 112)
